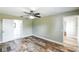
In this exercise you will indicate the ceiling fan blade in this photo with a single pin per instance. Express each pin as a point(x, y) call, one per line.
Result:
point(36, 14)
point(26, 12)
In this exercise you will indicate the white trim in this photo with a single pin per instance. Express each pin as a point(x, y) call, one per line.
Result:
point(47, 39)
point(36, 36)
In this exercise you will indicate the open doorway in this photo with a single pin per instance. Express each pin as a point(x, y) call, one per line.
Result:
point(70, 24)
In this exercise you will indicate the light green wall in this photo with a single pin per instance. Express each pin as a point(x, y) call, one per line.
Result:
point(27, 27)
point(49, 27)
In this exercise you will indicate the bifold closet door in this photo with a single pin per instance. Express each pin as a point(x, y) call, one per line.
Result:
point(7, 30)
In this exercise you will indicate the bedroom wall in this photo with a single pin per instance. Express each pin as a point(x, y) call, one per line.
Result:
point(27, 28)
point(50, 27)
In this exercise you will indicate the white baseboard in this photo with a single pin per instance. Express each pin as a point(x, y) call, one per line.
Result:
point(48, 39)
point(36, 36)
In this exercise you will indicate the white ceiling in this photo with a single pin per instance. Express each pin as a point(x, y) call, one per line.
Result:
point(44, 11)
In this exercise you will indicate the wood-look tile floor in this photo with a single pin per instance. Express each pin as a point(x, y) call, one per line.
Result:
point(70, 42)
point(34, 44)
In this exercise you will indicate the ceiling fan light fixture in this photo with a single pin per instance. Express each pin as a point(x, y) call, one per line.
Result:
point(31, 17)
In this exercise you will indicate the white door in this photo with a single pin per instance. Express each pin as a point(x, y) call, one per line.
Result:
point(8, 30)
point(17, 28)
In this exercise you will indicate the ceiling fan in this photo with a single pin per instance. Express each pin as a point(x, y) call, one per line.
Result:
point(31, 14)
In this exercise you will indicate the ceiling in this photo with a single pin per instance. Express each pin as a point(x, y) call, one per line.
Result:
point(44, 11)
